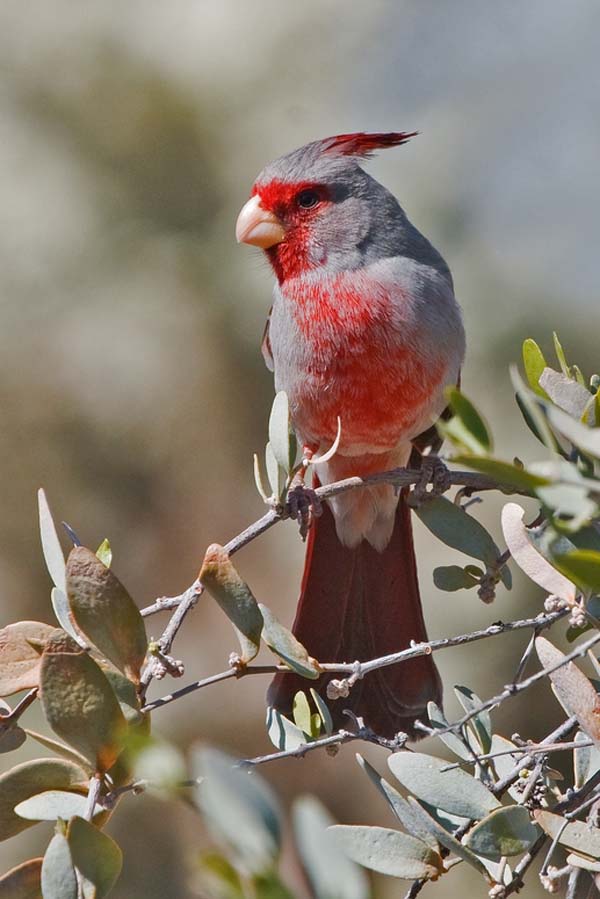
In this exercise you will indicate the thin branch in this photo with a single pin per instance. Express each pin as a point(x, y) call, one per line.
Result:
point(563, 730)
point(399, 477)
point(514, 689)
point(517, 879)
point(362, 668)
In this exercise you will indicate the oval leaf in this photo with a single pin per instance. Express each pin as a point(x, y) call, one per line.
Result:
point(447, 839)
point(452, 577)
point(529, 559)
point(506, 473)
point(534, 363)
point(565, 393)
point(53, 804)
point(224, 584)
point(456, 528)
point(53, 554)
point(59, 880)
point(283, 733)
point(329, 870)
point(95, 855)
point(279, 433)
point(470, 419)
point(398, 804)
point(577, 835)
point(105, 613)
point(453, 791)
point(573, 690)
point(240, 809)
point(506, 831)
point(79, 703)
point(388, 852)
point(283, 643)
point(22, 882)
point(19, 661)
point(581, 566)
point(438, 721)
point(30, 778)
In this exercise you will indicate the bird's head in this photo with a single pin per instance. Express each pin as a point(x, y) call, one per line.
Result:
point(316, 207)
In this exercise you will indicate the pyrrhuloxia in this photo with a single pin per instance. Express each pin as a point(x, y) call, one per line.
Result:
point(364, 326)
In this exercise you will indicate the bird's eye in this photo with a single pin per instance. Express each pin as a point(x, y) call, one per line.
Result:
point(307, 198)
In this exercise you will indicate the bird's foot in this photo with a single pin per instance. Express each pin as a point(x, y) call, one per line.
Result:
point(434, 480)
point(303, 505)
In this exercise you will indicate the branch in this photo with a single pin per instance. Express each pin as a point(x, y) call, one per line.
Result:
point(398, 477)
point(359, 669)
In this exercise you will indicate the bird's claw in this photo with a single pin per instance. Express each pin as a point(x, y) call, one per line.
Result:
point(303, 504)
point(434, 480)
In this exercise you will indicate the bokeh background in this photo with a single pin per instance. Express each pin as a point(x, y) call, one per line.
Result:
point(131, 383)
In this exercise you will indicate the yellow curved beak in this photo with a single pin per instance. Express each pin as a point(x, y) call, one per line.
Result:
point(257, 226)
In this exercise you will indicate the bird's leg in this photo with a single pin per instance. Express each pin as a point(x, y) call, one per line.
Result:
point(303, 503)
point(434, 480)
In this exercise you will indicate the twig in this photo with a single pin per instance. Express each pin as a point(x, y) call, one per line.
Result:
point(517, 879)
point(561, 731)
point(419, 649)
point(415, 888)
point(342, 736)
point(514, 689)
point(399, 477)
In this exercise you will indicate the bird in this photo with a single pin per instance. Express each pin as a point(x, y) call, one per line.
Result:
point(365, 329)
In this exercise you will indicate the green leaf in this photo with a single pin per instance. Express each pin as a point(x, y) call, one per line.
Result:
point(388, 852)
point(53, 554)
point(222, 581)
point(275, 473)
point(33, 777)
point(282, 441)
point(577, 835)
point(586, 761)
point(534, 363)
point(583, 437)
point(96, 856)
point(560, 355)
point(283, 643)
point(59, 880)
point(533, 412)
point(581, 566)
point(331, 873)
point(452, 577)
point(505, 832)
point(302, 713)
point(572, 688)
point(529, 559)
point(453, 791)
point(454, 527)
point(323, 710)
point(104, 553)
point(438, 721)
point(22, 882)
point(19, 661)
point(398, 804)
point(283, 733)
point(53, 804)
point(79, 703)
point(240, 810)
point(219, 878)
point(481, 723)
point(105, 613)
point(504, 472)
point(446, 839)
point(471, 420)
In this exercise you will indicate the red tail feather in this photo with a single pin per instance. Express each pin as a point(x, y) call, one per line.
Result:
point(359, 604)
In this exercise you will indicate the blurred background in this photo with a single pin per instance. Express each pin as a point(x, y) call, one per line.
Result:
point(131, 382)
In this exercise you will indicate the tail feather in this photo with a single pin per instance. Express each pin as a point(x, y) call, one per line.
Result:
point(360, 604)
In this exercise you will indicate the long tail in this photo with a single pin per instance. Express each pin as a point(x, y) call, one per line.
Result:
point(359, 604)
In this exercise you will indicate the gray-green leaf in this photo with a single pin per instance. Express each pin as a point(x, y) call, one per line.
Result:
point(388, 852)
point(506, 831)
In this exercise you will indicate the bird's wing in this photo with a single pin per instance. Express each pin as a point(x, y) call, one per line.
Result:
point(266, 344)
